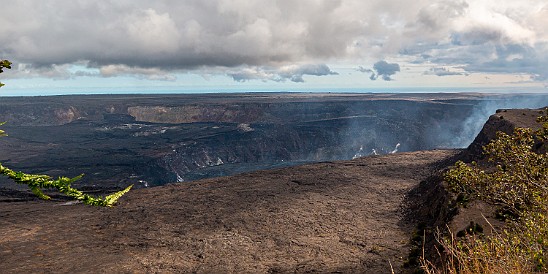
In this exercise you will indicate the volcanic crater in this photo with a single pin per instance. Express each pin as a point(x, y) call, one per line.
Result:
point(336, 215)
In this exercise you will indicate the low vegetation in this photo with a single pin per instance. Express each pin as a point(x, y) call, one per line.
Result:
point(37, 183)
point(4, 64)
point(516, 182)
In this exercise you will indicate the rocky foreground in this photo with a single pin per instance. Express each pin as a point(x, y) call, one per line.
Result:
point(342, 217)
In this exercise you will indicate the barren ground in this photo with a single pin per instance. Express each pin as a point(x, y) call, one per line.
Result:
point(342, 217)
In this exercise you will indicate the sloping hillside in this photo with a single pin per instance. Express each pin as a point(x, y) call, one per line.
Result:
point(431, 205)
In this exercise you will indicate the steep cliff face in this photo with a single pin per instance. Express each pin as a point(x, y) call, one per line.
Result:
point(197, 113)
point(504, 120)
point(246, 147)
point(40, 115)
point(434, 206)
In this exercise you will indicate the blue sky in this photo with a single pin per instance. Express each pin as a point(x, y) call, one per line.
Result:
point(62, 47)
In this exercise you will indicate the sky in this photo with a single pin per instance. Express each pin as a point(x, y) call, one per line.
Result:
point(90, 46)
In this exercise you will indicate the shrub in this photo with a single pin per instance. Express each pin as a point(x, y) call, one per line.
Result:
point(4, 64)
point(516, 182)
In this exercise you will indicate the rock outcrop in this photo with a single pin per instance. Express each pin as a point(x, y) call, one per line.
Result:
point(431, 204)
point(504, 120)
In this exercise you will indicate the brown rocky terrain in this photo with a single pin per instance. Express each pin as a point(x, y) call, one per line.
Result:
point(338, 217)
point(354, 216)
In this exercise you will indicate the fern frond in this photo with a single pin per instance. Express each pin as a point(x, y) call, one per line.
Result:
point(2, 133)
point(38, 182)
point(63, 184)
point(39, 193)
point(113, 198)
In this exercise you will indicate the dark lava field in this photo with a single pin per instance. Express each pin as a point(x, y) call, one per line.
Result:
point(151, 140)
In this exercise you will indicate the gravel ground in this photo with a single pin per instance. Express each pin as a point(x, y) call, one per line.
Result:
point(334, 217)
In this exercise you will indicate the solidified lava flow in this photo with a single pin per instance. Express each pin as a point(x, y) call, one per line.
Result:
point(157, 139)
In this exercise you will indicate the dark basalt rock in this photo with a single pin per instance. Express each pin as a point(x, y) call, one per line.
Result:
point(152, 140)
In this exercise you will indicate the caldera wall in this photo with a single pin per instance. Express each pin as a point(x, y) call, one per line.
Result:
point(153, 140)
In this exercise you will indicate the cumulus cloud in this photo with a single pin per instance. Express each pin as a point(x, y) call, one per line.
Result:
point(441, 71)
point(384, 70)
point(142, 73)
point(182, 35)
point(516, 59)
point(292, 73)
point(295, 73)
point(260, 39)
point(364, 70)
point(55, 72)
point(484, 36)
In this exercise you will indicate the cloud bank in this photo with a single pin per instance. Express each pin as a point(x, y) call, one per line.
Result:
point(273, 40)
point(384, 70)
point(292, 73)
point(442, 71)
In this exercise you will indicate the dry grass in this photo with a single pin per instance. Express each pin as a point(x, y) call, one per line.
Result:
point(518, 249)
point(518, 185)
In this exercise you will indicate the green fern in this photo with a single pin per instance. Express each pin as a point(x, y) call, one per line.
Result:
point(2, 133)
point(4, 64)
point(63, 184)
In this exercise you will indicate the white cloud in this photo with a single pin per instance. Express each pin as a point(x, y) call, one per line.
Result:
point(142, 73)
point(442, 71)
point(55, 72)
point(293, 73)
point(152, 33)
point(262, 39)
point(364, 70)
